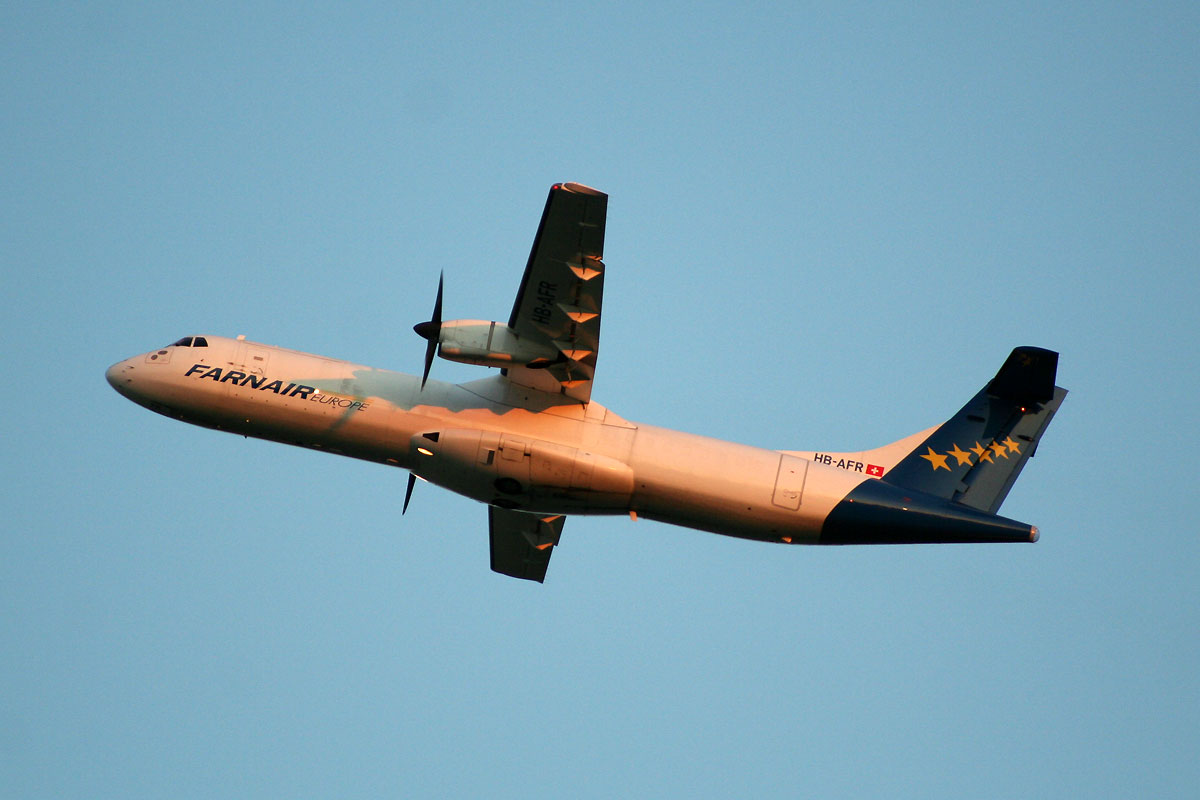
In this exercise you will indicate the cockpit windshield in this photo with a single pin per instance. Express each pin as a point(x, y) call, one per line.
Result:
point(190, 341)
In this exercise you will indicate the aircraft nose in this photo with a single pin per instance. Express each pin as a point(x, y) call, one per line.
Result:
point(119, 375)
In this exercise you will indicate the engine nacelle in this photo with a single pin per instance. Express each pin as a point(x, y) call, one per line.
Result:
point(513, 471)
point(490, 344)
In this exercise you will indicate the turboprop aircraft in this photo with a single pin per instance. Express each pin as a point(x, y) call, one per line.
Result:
point(532, 444)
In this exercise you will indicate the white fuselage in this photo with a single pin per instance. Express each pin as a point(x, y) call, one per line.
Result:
point(363, 412)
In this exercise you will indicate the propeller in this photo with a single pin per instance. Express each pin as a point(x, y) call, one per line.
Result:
point(430, 331)
point(412, 481)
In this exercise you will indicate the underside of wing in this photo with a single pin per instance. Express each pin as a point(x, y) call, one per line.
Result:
point(522, 542)
point(558, 304)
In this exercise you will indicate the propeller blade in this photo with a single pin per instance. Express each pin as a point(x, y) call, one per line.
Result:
point(430, 349)
point(431, 330)
point(437, 303)
point(412, 481)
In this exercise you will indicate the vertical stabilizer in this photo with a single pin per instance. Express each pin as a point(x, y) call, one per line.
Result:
point(975, 457)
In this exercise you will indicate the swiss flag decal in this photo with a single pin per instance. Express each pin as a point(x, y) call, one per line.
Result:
point(874, 470)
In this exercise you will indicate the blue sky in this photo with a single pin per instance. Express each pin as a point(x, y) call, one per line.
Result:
point(828, 225)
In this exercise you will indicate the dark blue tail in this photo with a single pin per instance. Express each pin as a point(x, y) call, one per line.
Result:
point(976, 456)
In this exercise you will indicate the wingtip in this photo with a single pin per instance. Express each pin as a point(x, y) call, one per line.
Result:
point(579, 188)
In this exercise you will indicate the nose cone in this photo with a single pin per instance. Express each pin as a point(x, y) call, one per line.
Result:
point(119, 376)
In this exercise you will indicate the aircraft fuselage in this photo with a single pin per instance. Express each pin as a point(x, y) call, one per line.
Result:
point(496, 442)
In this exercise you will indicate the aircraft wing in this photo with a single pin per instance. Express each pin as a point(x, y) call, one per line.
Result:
point(522, 542)
point(558, 304)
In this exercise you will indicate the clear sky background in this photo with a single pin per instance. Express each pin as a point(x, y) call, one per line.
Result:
point(828, 226)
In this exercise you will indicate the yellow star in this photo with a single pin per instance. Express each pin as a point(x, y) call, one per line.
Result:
point(938, 460)
point(961, 456)
point(999, 448)
point(981, 451)
point(1011, 445)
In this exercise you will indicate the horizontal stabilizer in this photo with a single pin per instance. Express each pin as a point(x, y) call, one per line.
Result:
point(877, 512)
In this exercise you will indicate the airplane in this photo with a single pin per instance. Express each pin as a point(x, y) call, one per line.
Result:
point(532, 444)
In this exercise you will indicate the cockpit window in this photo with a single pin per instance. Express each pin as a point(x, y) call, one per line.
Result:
point(184, 342)
point(190, 341)
point(200, 342)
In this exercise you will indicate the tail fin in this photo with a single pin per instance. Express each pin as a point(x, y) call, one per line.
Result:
point(975, 457)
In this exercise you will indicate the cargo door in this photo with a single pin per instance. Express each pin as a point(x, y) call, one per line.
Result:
point(789, 482)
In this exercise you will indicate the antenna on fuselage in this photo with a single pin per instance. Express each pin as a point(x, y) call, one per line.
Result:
point(431, 331)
